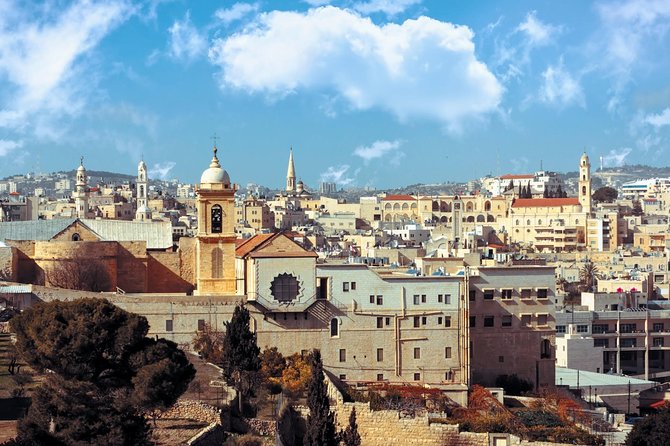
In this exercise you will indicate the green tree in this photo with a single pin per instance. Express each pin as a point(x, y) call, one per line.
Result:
point(320, 421)
point(240, 360)
point(350, 436)
point(209, 344)
point(653, 430)
point(605, 194)
point(106, 373)
point(637, 208)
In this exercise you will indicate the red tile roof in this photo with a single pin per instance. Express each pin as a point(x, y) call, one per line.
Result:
point(517, 177)
point(252, 243)
point(399, 197)
point(544, 202)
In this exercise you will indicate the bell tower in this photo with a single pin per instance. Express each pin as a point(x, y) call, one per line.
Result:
point(585, 183)
point(80, 193)
point(290, 174)
point(215, 239)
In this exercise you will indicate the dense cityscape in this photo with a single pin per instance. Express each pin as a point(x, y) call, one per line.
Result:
point(334, 223)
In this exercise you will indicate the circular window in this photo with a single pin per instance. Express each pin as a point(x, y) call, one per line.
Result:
point(285, 288)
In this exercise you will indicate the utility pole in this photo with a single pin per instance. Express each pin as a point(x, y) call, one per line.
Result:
point(628, 396)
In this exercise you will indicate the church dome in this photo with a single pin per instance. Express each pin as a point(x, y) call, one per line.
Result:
point(215, 173)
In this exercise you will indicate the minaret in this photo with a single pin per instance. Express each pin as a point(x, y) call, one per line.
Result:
point(585, 183)
point(143, 212)
point(80, 193)
point(290, 174)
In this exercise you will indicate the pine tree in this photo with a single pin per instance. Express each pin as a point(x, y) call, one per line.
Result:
point(240, 353)
point(520, 191)
point(545, 194)
point(350, 436)
point(320, 421)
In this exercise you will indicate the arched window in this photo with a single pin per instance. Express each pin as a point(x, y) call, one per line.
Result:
point(334, 327)
point(217, 219)
point(76, 237)
point(545, 349)
point(141, 194)
point(471, 219)
point(487, 206)
point(583, 190)
point(528, 222)
point(217, 263)
point(481, 218)
point(490, 218)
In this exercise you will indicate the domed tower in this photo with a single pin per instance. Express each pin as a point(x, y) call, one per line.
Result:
point(143, 213)
point(585, 183)
point(80, 193)
point(215, 245)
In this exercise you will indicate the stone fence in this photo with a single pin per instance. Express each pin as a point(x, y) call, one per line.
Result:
point(192, 410)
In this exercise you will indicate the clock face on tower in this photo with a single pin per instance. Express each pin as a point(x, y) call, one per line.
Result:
point(217, 219)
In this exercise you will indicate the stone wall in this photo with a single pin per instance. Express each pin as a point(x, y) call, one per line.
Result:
point(164, 271)
point(192, 410)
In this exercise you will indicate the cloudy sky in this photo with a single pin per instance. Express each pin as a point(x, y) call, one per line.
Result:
point(367, 92)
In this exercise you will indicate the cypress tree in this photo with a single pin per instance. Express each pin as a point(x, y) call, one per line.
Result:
point(320, 421)
point(240, 353)
point(350, 436)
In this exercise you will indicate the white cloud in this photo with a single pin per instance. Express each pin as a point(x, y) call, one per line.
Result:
point(616, 157)
point(337, 174)
point(42, 58)
point(658, 120)
point(420, 68)
point(379, 149)
point(537, 32)
point(186, 42)
point(161, 170)
point(317, 2)
point(628, 30)
point(513, 51)
point(7, 146)
point(388, 7)
point(236, 12)
point(560, 88)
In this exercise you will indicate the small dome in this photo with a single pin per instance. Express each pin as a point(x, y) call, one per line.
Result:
point(81, 168)
point(142, 165)
point(215, 173)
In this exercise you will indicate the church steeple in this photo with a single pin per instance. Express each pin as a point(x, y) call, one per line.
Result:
point(80, 194)
point(290, 174)
point(585, 183)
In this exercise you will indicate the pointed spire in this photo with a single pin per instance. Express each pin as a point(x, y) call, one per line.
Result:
point(290, 174)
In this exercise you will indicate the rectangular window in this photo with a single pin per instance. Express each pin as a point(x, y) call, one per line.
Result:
point(526, 293)
point(473, 321)
point(629, 342)
point(525, 320)
point(501, 359)
point(488, 321)
point(582, 328)
point(447, 299)
point(447, 321)
point(506, 320)
point(343, 377)
point(417, 322)
point(599, 328)
point(343, 355)
point(601, 343)
point(168, 325)
point(416, 299)
point(439, 298)
point(560, 329)
point(380, 322)
point(380, 377)
point(658, 342)
point(380, 354)
point(473, 295)
point(447, 352)
point(380, 300)
point(345, 287)
point(372, 298)
point(658, 326)
point(417, 352)
point(628, 328)
point(542, 293)
point(201, 324)
point(424, 320)
point(439, 320)
point(388, 321)
point(506, 293)
point(417, 377)
point(488, 294)
point(423, 298)
point(542, 319)
point(353, 286)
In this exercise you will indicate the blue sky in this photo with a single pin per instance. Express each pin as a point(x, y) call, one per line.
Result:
point(367, 92)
